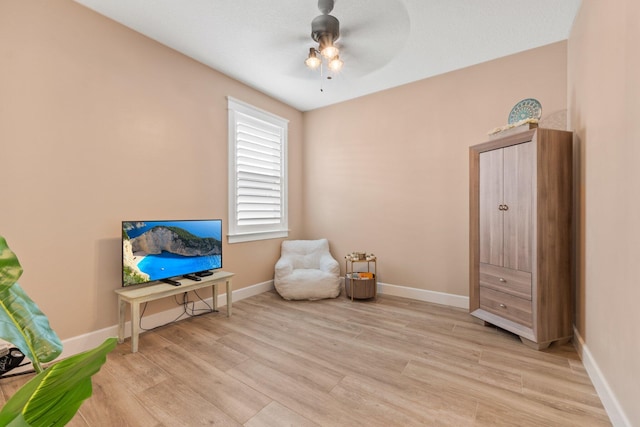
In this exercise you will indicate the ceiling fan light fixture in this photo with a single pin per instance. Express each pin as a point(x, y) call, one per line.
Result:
point(335, 64)
point(327, 48)
point(312, 60)
point(329, 51)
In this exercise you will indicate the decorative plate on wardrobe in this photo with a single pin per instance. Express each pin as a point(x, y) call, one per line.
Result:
point(526, 109)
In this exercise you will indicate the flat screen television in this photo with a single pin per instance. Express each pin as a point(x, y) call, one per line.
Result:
point(162, 250)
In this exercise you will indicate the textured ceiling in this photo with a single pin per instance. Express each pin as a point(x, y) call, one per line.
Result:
point(384, 43)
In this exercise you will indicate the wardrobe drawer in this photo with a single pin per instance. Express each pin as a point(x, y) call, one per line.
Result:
point(508, 306)
point(514, 282)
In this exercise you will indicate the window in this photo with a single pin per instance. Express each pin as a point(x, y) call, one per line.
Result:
point(257, 174)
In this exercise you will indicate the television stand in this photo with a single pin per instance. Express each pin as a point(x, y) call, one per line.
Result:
point(136, 295)
point(171, 282)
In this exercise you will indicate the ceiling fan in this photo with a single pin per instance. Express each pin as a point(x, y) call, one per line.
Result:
point(375, 31)
point(325, 30)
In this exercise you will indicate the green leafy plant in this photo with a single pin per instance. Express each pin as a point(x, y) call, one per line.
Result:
point(55, 394)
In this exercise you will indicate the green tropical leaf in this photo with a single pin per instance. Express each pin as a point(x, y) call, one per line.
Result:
point(53, 397)
point(10, 269)
point(21, 321)
point(25, 326)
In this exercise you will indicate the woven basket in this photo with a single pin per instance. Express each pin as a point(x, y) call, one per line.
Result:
point(363, 288)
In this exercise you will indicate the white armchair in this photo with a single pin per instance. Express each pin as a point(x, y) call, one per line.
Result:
point(306, 270)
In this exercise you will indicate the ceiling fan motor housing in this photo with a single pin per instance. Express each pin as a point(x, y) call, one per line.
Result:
point(325, 25)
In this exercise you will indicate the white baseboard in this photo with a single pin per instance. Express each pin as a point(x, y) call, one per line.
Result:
point(90, 340)
point(611, 404)
point(424, 295)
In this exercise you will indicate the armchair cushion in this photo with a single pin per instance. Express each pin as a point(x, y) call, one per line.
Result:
point(306, 270)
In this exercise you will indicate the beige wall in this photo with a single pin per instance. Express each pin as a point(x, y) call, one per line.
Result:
point(99, 124)
point(604, 102)
point(388, 173)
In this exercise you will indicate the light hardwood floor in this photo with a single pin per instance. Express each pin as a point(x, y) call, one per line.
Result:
point(389, 362)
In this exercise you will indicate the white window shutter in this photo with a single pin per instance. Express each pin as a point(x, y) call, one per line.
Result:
point(257, 174)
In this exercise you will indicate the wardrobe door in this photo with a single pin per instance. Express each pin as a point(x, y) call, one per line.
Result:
point(491, 219)
point(518, 205)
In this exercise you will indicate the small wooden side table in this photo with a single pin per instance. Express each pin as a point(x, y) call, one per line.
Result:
point(357, 285)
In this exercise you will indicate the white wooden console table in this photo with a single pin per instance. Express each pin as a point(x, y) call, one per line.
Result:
point(135, 295)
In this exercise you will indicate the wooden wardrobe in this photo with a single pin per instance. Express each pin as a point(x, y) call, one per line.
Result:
point(520, 235)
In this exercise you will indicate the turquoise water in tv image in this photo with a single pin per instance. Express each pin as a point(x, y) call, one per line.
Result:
point(166, 265)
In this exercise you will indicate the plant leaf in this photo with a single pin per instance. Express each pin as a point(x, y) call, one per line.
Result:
point(25, 326)
point(10, 269)
point(21, 321)
point(53, 397)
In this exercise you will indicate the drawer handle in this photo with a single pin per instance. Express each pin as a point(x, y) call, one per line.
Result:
point(502, 305)
point(503, 280)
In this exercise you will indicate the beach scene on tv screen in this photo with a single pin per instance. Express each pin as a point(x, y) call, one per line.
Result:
point(156, 250)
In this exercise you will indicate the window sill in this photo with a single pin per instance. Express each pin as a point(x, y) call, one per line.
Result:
point(250, 237)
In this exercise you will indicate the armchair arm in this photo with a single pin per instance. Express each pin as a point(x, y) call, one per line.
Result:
point(329, 264)
point(283, 268)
